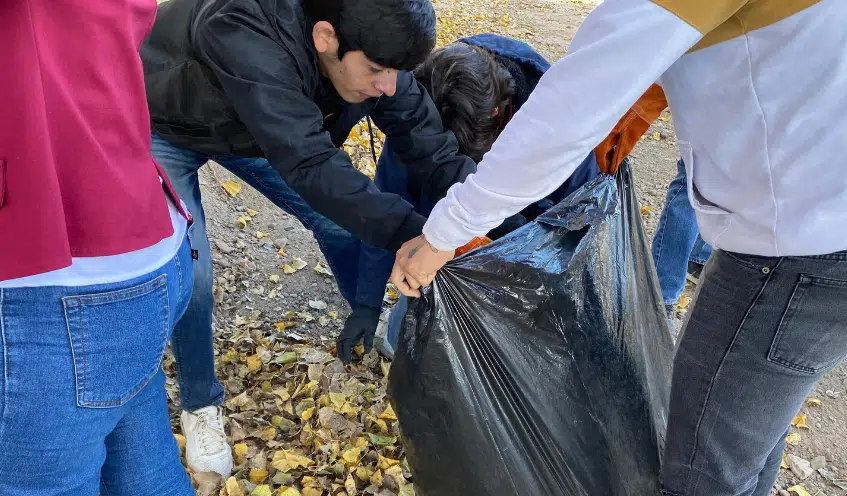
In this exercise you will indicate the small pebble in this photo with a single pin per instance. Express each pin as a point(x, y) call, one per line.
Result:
point(290, 228)
point(223, 247)
point(818, 462)
point(783, 492)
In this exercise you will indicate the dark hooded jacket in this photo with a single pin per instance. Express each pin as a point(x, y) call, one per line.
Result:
point(241, 77)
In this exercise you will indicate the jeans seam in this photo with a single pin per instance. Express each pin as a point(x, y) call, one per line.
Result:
point(80, 388)
point(662, 237)
point(718, 371)
point(3, 398)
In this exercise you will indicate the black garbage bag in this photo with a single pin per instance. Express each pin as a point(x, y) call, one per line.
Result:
point(540, 365)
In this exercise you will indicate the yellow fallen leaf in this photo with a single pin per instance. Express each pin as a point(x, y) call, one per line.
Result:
point(388, 414)
point(312, 491)
point(332, 314)
point(376, 478)
point(254, 363)
point(284, 325)
point(350, 486)
point(321, 268)
point(180, 441)
point(239, 452)
point(364, 473)
point(665, 117)
point(646, 209)
point(361, 443)
point(793, 439)
point(684, 302)
point(251, 212)
point(232, 487)
point(798, 490)
point(288, 269)
point(274, 279)
point(657, 136)
point(359, 349)
point(351, 456)
point(800, 422)
point(260, 234)
point(242, 221)
point(383, 427)
point(784, 463)
point(285, 461)
point(257, 476)
point(307, 414)
point(386, 463)
point(337, 399)
point(812, 401)
point(287, 491)
point(232, 188)
point(262, 490)
point(268, 433)
point(282, 253)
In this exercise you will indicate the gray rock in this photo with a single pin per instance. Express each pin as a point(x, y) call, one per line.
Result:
point(800, 466)
point(280, 243)
point(783, 492)
point(223, 247)
point(818, 462)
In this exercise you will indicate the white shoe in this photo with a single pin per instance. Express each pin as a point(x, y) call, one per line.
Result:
point(206, 449)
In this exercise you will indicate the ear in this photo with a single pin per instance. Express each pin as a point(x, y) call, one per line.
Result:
point(323, 34)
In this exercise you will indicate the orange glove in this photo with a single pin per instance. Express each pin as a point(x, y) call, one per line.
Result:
point(474, 243)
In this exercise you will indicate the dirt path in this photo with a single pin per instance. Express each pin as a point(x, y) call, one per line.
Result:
point(244, 262)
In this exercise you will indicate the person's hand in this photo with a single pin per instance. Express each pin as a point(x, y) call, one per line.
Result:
point(416, 264)
point(361, 324)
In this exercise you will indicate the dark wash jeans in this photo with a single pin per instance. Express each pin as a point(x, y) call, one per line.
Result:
point(761, 333)
point(192, 337)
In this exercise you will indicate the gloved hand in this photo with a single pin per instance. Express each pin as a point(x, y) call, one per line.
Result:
point(360, 324)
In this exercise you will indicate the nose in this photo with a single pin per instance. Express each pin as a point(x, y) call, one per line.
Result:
point(387, 84)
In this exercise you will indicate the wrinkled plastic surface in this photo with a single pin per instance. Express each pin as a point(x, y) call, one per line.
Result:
point(539, 365)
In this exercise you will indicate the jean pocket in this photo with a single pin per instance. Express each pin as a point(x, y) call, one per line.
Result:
point(812, 336)
point(118, 339)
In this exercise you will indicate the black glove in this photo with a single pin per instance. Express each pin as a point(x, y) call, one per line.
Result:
point(360, 324)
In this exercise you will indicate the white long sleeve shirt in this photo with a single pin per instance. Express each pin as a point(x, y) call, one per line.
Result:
point(757, 91)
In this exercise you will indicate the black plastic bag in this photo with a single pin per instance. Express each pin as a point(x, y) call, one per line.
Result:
point(540, 364)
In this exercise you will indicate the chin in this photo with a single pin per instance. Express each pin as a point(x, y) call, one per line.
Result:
point(355, 97)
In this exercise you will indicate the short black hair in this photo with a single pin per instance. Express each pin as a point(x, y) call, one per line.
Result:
point(396, 34)
point(468, 85)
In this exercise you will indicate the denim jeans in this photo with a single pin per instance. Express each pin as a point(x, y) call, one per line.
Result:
point(192, 340)
point(761, 333)
point(677, 239)
point(83, 407)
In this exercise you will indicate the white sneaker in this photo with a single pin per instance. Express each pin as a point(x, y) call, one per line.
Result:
point(206, 449)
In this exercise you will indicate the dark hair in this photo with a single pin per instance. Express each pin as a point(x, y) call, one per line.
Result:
point(467, 85)
point(397, 34)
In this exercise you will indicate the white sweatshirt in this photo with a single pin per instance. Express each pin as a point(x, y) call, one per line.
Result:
point(758, 92)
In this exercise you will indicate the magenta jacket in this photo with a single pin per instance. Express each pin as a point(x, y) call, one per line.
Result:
point(76, 175)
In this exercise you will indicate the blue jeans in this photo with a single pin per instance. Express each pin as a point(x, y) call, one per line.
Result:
point(762, 331)
point(83, 407)
point(677, 239)
point(193, 341)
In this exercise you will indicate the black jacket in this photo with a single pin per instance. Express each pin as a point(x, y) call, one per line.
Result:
point(241, 77)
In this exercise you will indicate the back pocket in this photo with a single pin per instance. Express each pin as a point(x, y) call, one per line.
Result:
point(118, 340)
point(812, 337)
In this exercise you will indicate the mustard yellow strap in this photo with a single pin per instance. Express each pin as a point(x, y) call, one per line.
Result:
point(722, 20)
